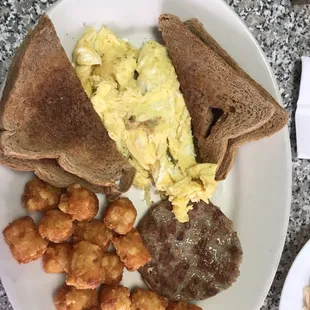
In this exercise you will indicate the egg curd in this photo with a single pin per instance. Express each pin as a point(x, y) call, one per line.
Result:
point(136, 94)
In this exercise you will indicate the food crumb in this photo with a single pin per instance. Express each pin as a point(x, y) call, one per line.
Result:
point(147, 196)
point(306, 298)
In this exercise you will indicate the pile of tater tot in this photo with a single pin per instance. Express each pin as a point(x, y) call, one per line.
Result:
point(70, 240)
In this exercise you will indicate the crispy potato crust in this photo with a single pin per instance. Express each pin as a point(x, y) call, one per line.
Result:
point(40, 196)
point(24, 240)
point(131, 250)
point(85, 270)
point(147, 300)
point(56, 226)
point(112, 268)
point(94, 231)
point(57, 257)
point(79, 202)
point(120, 216)
point(115, 297)
point(70, 298)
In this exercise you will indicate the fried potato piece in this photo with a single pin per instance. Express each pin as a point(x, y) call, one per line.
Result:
point(40, 196)
point(181, 305)
point(24, 240)
point(70, 298)
point(94, 231)
point(115, 297)
point(57, 257)
point(120, 216)
point(142, 299)
point(56, 226)
point(131, 250)
point(112, 269)
point(85, 270)
point(79, 202)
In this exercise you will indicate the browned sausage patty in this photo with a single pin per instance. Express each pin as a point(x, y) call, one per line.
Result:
point(190, 261)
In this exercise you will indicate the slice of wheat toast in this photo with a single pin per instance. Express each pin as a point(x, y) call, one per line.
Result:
point(276, 122)
point(49, 171)
point(208, 82)
point(45, 114)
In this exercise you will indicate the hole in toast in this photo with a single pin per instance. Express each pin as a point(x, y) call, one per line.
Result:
point(216, 115)
point(135, 75)
point(232, 109)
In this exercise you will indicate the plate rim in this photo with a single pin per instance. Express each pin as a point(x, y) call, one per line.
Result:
point(288, 155)
point(291, 272)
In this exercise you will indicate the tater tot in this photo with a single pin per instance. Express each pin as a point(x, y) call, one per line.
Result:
point(181, 305)
point(142, 299)
point(79, 202)
point(56, 226)
point(94, 231)
point(131, 250)
point(120, 216)
point(40, 196)
point(115, 297)
point(57, 257)
point(112, 269)
point(85, 270)
point(70, 298)
point(24, 240)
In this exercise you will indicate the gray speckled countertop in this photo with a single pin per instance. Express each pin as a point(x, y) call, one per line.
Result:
point(283, 31)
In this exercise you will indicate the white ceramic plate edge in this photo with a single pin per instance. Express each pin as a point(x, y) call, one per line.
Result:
point(288, 181)
point(296, 280)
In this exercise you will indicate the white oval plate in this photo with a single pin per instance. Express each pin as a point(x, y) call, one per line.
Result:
point(297, 278)
point(256, 195)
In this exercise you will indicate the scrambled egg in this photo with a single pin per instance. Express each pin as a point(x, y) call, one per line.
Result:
point(136, 94)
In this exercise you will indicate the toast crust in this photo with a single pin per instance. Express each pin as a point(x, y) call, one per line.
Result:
point(46, 114)
point(209, 82)
point(278, 120)
point(49, 171)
